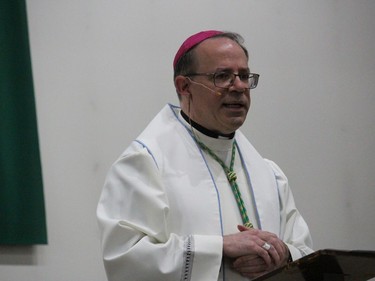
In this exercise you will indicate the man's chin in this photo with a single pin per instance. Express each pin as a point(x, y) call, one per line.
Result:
point(235, 123)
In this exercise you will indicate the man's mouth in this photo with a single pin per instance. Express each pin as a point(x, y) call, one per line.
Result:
point(233, 105)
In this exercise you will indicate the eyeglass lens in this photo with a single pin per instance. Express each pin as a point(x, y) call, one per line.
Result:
point(226, 79)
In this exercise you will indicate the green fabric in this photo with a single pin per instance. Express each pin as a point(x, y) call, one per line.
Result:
point(22, 212)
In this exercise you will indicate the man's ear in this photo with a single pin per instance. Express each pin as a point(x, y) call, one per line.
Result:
point(182, 85)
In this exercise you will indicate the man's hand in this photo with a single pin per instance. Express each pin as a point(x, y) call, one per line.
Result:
point(251, 266)
point(251, 259)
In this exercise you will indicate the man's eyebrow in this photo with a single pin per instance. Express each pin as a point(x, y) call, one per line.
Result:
point(247, 69)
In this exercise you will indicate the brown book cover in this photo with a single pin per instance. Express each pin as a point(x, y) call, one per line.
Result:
point(324, 265)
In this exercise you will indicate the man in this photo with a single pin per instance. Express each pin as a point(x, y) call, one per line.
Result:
point(191, 199)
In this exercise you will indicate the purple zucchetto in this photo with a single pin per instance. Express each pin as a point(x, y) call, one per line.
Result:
point(192, 41)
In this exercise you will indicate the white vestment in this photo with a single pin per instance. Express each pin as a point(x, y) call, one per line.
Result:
point(166, 205)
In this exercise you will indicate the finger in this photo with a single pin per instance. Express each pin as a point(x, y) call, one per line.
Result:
point(281, 249)
point(253, 275)
point(242, 228)
point(253, 266)
point(251, 271)
point(274, 254)
point(264, 254)
point(278, 250)
point(278, 255)
point(248, 260)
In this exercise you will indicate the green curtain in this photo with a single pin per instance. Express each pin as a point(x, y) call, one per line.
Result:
point(22, 211)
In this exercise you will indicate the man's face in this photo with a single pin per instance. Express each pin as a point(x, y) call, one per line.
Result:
point(223, 113)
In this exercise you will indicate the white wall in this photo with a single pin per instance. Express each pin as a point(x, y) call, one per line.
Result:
point(102, 69)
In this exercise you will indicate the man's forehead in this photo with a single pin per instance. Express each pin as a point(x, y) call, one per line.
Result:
point(217, 43)
point(219, 48)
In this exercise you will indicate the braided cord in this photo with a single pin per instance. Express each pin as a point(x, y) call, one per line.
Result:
point(232, 177)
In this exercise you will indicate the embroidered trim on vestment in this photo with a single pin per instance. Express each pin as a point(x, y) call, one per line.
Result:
point(188, 258)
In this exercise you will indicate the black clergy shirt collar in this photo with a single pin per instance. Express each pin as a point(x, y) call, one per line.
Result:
point(206, 131)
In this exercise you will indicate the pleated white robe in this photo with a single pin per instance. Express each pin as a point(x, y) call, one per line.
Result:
point(165, 206)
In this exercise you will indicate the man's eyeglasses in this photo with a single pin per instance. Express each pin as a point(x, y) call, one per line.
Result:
point(226, 79)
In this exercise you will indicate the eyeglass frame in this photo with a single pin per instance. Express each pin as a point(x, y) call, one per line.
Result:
point(213, 75)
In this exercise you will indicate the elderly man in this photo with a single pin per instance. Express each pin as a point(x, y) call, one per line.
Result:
point(190, 198)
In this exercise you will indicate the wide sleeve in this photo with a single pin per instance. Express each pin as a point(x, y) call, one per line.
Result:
point(294, 231)
point(137, 244)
